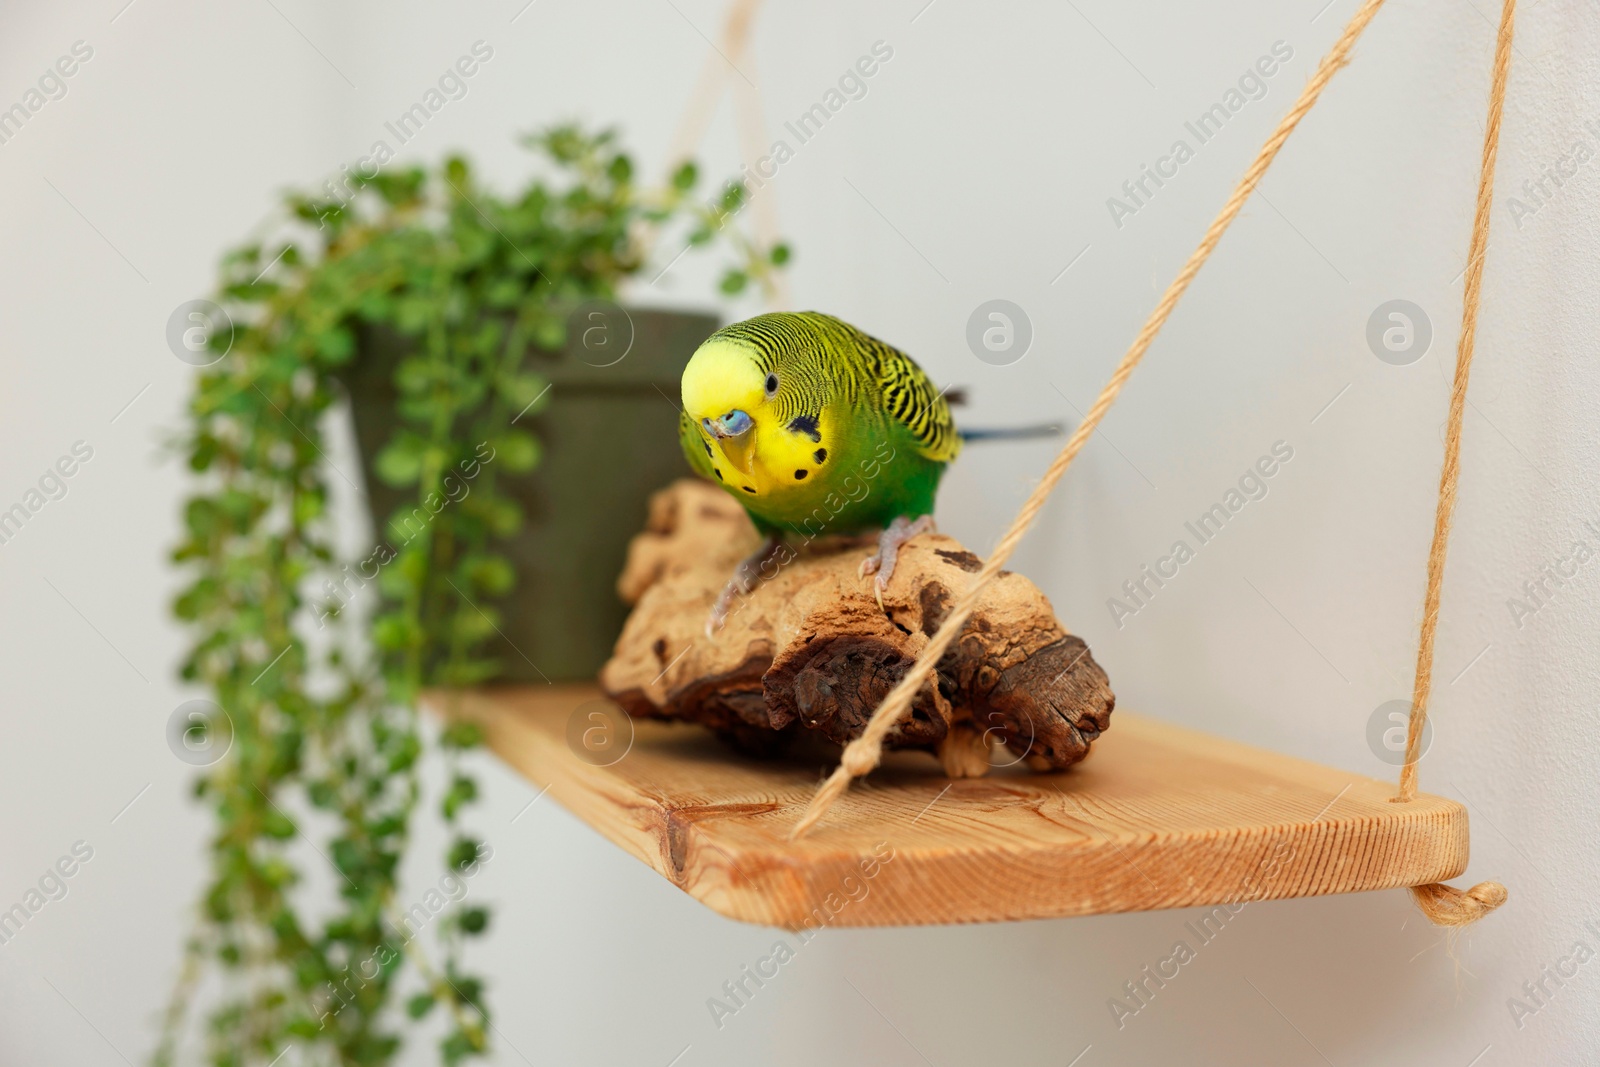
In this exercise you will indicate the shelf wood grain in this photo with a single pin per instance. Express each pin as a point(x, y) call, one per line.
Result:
point(1158, 816)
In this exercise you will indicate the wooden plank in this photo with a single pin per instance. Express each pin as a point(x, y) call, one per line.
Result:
point(1157, 817)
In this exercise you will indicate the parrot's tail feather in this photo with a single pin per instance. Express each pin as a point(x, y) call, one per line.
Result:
point(1011, 433)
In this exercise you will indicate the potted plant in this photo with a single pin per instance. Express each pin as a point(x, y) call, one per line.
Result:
point(506, 450)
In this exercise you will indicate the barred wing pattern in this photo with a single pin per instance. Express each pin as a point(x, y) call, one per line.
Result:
point(910, 398)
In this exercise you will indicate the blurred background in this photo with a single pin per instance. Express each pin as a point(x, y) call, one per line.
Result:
point(985, 161)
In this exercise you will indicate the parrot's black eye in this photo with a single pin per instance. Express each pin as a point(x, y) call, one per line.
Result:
point(772, 384)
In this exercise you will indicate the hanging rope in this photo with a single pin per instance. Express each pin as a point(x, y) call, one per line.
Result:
point(707, 91)
point(1442, 904)
point(734, 53)
point(862, 754)
point(749, 117)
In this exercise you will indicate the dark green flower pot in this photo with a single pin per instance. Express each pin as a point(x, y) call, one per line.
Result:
point(609, 434)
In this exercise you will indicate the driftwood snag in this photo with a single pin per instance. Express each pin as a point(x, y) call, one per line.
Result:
point(810, 649)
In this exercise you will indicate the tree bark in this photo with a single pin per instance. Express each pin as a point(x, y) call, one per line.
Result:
point(809, 649)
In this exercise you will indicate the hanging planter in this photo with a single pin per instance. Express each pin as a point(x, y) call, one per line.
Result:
point(600, 423)
point(445, 313)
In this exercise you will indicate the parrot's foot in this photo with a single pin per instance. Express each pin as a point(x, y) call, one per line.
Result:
point(893, 536)
point(745, 577)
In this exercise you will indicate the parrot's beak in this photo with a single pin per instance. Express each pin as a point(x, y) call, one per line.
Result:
point(735, 434)
point(740, 450)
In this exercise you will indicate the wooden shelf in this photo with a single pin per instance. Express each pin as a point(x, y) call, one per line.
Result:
point(1157, 817)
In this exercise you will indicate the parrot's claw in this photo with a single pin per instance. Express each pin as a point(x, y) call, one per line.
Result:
point(745, 577)
point(882, 562)
point(719, 610)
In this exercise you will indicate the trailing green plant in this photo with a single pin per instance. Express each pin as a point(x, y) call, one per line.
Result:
point(319, 705)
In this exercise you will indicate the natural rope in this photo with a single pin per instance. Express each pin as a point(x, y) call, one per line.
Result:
point(707, 91)
point(1448, 906)
point(1442, 904)
point(862, 754)
point(734, 55)
point(749, 117)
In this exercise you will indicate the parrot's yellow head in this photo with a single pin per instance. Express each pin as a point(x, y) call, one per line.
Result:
point(763, 396)
point(729, 396)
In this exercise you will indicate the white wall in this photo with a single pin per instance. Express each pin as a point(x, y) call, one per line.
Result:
point(990, 142)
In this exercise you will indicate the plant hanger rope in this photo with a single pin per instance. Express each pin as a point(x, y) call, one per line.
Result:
point(697, 113)
point(1440, 903)
point(734, 56)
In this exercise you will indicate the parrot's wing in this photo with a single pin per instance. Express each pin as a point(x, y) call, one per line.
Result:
point(695, 447)
point(910, 399)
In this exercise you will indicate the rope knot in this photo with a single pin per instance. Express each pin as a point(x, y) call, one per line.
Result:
point(859, 759)
point(1447, 906)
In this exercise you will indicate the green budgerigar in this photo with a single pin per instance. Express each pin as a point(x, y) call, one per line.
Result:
point(817, 429)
